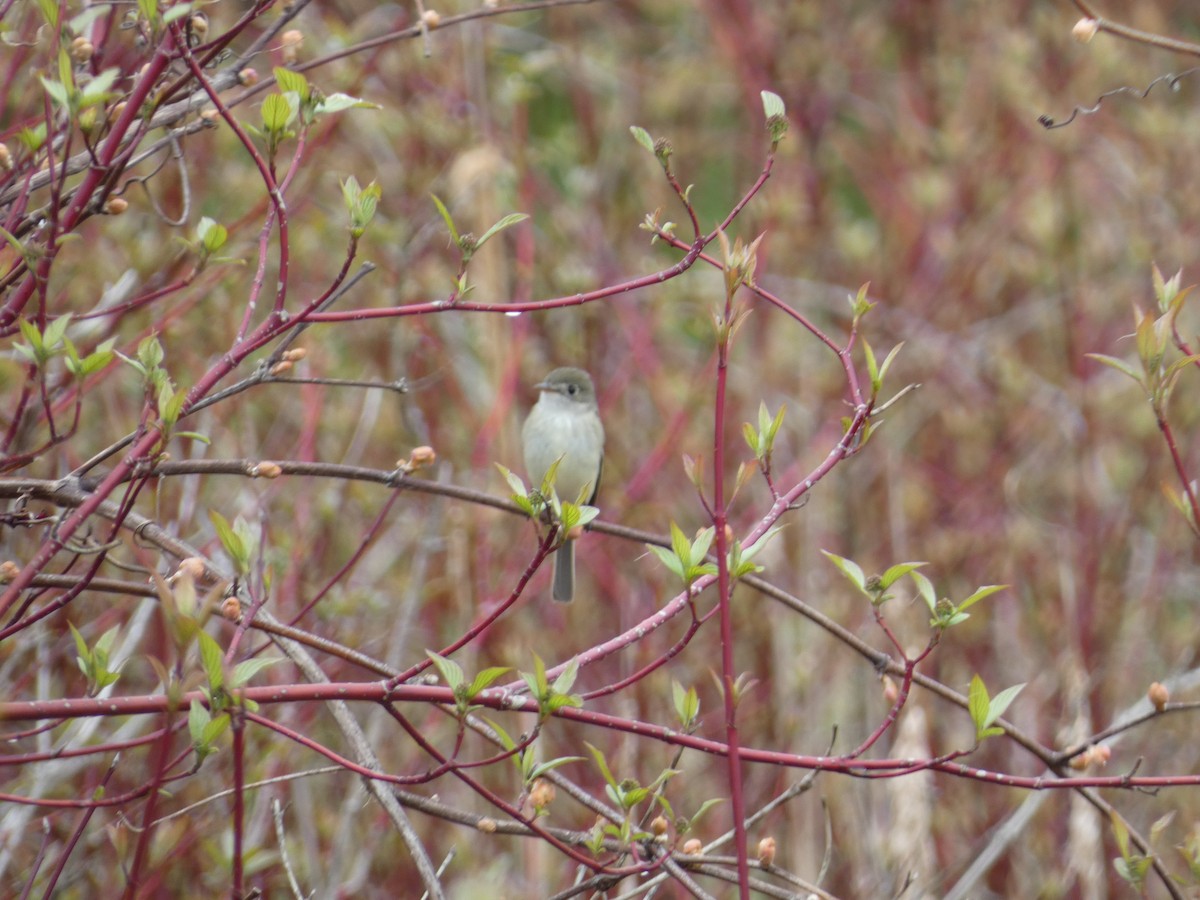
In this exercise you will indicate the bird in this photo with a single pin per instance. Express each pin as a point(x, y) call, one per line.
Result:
point(564, 426)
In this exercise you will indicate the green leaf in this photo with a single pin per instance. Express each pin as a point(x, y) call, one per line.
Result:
point(96, 91)
point(177, 12)
point(49, 11)
point(336, 103)
point(276, 112)
point(290, 81)
point(985, 591)
point(56, 329)
point(213, 729)
point(542, 768)
point(57, 91)
point(925, 589)
point(507, 222)
point(642, 136)
point(704, 807)
point(772, 104)
point(445, 213)
point(150, 353)
point(212, 659)
point(81, 646)
point(505, 740)
point(515, 484)
point(887, 362)
point(1001, 702)
point(757, 547)
point(212, 236)
point(229, 539)
point(602, 764)
point(751, 437)
point(872, 366)
point(701, 545)
point(247, 669)
point(848, 568)
point(977, 703)
point(680, 544)
point(483, 680)
point(452, 673)
point(668, 559)
point(896, 572)
point(687, 703)
point(198, 719)
point(566, 678)
point(1119, 364)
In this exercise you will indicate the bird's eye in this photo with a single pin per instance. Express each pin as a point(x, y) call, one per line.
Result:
point(572, 389)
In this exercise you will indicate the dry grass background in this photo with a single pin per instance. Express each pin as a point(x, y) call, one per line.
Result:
point(999, 252)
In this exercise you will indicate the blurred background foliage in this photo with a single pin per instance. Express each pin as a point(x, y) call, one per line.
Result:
point(998, 251)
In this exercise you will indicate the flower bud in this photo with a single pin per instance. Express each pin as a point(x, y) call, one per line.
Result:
point(114, 206)
point(8, 571)
point(292, 40)
point(284, 365)
point(82, 50)
point(231, 609)
point(193, 567)
point(432, 18)
point(1085, 29)
point(766, 852)
point(541, 794)
point(659, 826)
point(1158, 695)
point(486, 825)
point(248, 77)
point(266, 470)
point(295, 354)
point(199, 25)
point(693, 846)
point(6, 162)
point(422, 456)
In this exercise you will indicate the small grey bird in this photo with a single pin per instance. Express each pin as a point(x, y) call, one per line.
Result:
point(565, 422)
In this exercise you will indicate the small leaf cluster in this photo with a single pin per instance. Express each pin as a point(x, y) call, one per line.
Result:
point(74, 99)
point(661, 148)
point(465, 692)
point(986, 710)
point(776, 113)
point(1132, 865)
point(207, 722)
point(762, 440)
point(211, 237)
point(875, 588)
point(40, 347)
point(468, 244)
point(93, 661)
point(687, 706)
point(525, 757)
point(1153, 336)
point(239, 540)
point(626, 795)
point(297, 102)
point(360, 204)
point(739, 264)
point(552, 697)
point(159, 388)
point(543, 501)
point(686, 559)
